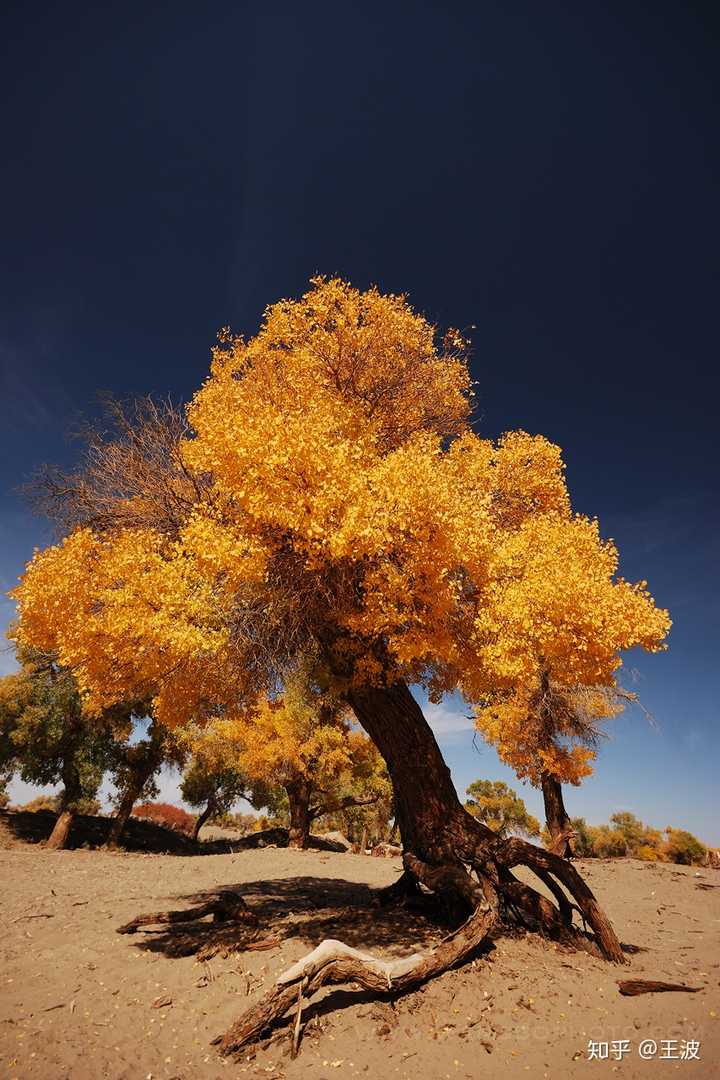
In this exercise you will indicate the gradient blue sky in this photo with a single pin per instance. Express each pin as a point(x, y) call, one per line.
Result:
point(547, 174)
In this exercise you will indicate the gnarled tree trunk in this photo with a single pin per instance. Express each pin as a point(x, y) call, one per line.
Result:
point(299, 792)
point(558, 823)
point(441, 840)
point(444, 847)
point(433, 823)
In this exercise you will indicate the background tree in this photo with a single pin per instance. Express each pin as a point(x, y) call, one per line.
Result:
point(499, 807)
point(327, 503)
point(304, 746)
point(49, 738)
point(684, 848)
point(363, 801)
point(134, 769)
point(554, 637)
point(211, 781)
point(582, 838)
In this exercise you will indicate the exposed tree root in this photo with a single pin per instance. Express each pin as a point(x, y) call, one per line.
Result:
point(516, 852)
point(333, 962)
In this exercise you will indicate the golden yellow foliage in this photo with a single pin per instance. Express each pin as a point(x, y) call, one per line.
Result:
point(559, 615)
point(344, 510)
point(279, 741)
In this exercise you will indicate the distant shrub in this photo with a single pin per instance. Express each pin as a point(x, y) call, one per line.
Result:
point(52, 802)
point(582, 843)
point(648, 853)
point(628, 836)
point(41, 802)
point(240, 823)
point(91, 807)
point(4, 798)
point(172, 817)
point(684, 848)
point(607, 843)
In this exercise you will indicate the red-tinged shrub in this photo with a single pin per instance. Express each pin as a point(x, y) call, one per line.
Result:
point(172, 817)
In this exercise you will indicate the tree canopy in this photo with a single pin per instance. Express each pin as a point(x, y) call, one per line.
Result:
point(326, 497)
point(493, 802)
point(45, 735)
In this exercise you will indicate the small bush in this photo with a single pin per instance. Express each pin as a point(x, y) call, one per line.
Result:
point(41, 802)
point(243, 824)
point(172, 817)
point(684, 848)
point(88, 806)
point(607, 843)
point(648, 853)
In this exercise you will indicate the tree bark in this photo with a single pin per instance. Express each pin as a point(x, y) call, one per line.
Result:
point(557, 819)
point(58, 838)
point(298, 793)
point(72, 793)
point(202, 818)
point(433, 823)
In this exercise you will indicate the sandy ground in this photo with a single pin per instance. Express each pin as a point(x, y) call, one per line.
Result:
point(76, 998)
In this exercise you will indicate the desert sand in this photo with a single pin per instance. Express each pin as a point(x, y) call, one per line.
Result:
point(80, 1001)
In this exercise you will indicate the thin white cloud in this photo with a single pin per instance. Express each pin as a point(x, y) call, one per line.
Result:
point(445, 720)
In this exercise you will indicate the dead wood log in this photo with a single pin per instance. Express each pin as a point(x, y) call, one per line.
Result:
point(225, 907)
point(631, 987)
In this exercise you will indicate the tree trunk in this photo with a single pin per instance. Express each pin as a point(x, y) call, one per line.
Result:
point(58, 838)
point(432, 821)
point(441, 839)
point(131, 795)
point(202, 818)
point(298, 793)
point(558, 823)
point(72, 793)
point(364, 841)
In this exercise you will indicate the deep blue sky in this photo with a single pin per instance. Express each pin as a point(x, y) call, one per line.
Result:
point(547, 173)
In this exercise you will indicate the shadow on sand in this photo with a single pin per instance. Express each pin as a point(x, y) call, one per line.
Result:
point(305, 909)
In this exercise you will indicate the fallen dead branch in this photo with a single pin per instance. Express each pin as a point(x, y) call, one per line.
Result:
point(631, 987)
point(225, 907)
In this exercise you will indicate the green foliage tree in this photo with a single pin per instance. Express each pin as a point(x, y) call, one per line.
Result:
point(631, 828)
point(214, 785)
point(501, 808)
point(582, 838)
point(135, 766)
point(48, 739)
